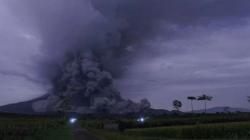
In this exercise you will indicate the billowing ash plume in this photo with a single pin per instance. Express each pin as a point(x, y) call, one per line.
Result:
point(83, 86)
point(84, 42)
point(84, 48)
point(114, 30)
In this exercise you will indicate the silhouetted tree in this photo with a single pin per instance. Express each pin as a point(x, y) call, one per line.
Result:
point(191, 98)
point(177, 104)
point(205, 98)
point(248, 98)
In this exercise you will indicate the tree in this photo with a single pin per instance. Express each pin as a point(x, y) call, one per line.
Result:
point(177, 104)
point(205, 98)
point(191, 98)
point(248, 98)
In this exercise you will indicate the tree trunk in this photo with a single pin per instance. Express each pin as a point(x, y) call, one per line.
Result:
point(192, 106)
point(205, 103)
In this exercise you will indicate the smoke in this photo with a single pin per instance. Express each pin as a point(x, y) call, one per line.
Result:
point(114, 31)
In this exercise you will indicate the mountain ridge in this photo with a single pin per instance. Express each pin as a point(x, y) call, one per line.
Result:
point(223, 109)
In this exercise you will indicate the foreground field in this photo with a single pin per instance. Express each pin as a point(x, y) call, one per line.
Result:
point(34, 129)
point(240, 130)
point(180, 126)
point(166, 120)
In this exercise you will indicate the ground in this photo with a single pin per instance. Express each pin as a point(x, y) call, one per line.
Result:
point(183, 126)
point(80, 133)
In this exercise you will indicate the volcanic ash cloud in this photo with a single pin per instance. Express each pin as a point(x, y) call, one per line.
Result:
point(83, 86)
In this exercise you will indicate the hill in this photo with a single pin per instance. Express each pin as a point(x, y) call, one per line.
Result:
point(223, 109)
point(21, 107)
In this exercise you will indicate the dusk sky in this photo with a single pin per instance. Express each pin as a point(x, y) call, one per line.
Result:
point(156, 49)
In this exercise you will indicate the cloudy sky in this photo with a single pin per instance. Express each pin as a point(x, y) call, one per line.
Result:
point(172, 49)
point(207, 61)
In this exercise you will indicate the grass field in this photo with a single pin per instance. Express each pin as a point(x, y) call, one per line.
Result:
point(185, 126)
point(237, 130)
point(167, 120)
point(34, 129)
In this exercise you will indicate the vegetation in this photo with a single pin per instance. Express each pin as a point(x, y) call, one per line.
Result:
point(175, 126)
point(177, 104)
point(224, 130)
point(248, 98)
point(191, 98)
point(113, 135)
point(239, 130)
point(205, 98)
point(172, 126)
point(169, 120)
point(34, 129)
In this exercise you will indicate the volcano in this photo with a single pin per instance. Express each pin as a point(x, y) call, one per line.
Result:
point(83, 86)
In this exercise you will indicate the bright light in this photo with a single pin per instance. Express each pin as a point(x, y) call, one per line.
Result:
point(72, 120)
point(141, 120)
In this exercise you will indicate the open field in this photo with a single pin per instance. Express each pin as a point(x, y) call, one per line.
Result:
point(182, 126)
point(213, 126)
point(34, 129)
point(166, 120)
point(240, 130)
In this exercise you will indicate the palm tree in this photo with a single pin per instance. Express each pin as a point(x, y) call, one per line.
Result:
point(191, 98)
point(205, 98)
point(248, 98)
point(177, 104)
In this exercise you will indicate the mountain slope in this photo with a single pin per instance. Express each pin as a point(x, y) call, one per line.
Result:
point(26, 108)
point(223, 109)
point(21, 107)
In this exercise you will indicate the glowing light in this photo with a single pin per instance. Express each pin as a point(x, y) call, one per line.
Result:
point(141, 120)
point(72, 120)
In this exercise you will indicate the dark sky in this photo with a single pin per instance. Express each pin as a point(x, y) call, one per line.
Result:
point(156, 49)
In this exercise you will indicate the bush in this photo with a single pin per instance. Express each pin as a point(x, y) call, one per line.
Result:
point(28, 128)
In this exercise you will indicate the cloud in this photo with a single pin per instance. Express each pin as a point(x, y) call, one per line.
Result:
point(210, 61)
point(179, 45)
point(19, 54)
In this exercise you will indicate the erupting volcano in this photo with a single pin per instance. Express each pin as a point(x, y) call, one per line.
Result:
point(83, 86)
